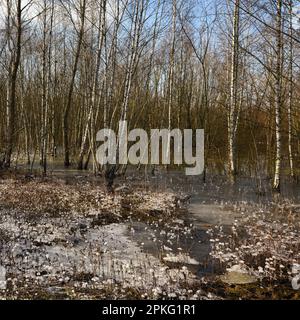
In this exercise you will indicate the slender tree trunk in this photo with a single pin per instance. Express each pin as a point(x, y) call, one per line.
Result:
point(171, 74)
point(46, 75)
point(71, 88)
point(135, 34)
point(12, 81)
point(232, 118)
point(100, 39)
point(172, 58)
point(291, 91)
point(278, 96)
point(25, 120)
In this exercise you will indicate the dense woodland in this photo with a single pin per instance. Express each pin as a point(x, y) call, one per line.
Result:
point(69, 68)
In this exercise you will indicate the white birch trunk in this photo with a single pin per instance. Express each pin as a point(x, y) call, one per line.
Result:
point(278, 97)
point(290, 95)
point(233, 114)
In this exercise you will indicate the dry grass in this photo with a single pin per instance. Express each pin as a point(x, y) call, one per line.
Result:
point(54, 197)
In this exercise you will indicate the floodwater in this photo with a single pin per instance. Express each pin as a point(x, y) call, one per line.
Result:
point(210, 203)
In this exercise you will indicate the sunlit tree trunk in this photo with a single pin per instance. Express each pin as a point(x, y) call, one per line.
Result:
point(171, 71)
point(233, 117)
point(93, 104)
point(291, 90)
point(278, 96)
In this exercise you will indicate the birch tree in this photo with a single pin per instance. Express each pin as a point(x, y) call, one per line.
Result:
point(233, 104)
point(100, 40)
point(82, 12)
point(46, 78)
point(278, 96)
point(290, 87)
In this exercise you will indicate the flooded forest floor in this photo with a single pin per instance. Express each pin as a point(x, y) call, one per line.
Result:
point(166, 236)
